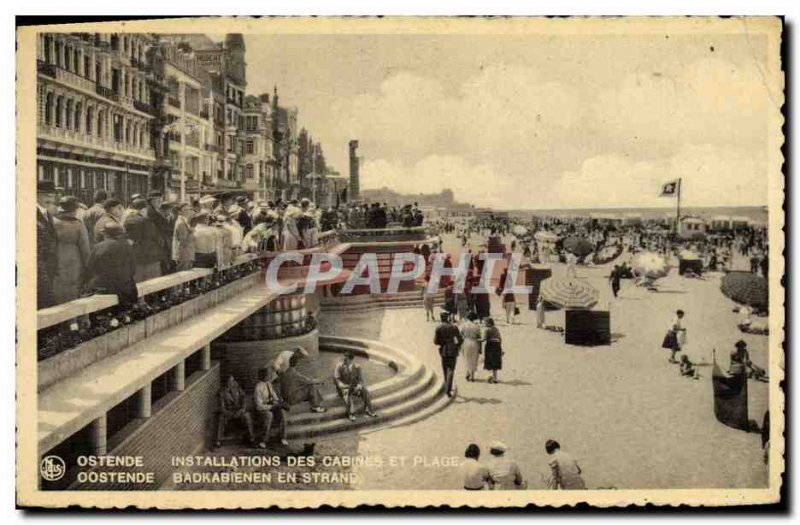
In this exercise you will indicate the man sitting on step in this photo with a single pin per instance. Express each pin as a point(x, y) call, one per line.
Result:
point(350, 385)
point(294, 386)
point(270, 409)
point(232, 407)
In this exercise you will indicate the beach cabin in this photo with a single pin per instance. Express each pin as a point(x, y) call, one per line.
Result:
point(606, 219)
point(632, 219)
point(720, 223)
point(692, 228)
point(739, 223)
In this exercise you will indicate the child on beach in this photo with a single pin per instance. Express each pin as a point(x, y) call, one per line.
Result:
point(687, 368)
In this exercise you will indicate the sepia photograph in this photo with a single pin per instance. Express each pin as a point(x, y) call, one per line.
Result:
point(487, 262)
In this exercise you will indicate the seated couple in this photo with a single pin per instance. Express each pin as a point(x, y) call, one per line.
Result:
point(269, 410)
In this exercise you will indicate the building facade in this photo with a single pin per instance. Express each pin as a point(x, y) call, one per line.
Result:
point(258, 155)
point(96, 117)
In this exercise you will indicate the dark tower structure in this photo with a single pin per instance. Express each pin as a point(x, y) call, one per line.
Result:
point(234, 45)
point(354, 182)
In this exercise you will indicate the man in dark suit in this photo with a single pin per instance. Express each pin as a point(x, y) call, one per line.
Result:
point(153, 212)
point(111, 266)
point(113, 215)
point(46, 243)
point(147, 247)
point(243, 218)
point(449, 339)
point(94, 213)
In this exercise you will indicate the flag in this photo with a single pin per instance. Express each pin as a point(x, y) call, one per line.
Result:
point(670, 189)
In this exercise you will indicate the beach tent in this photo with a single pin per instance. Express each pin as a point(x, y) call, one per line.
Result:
point(739, 222)
point(730, 398)
point(746, 288)
point(721, 222)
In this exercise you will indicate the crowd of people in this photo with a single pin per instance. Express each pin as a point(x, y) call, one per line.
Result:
point(108, 247)
point(501, 472)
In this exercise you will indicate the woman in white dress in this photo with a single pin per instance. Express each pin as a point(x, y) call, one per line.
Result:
point(472, 344)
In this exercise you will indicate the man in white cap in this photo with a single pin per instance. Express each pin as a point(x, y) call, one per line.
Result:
point(208, 203)
point(503, 472)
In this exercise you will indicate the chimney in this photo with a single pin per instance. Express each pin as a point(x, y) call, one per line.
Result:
point(354, 182)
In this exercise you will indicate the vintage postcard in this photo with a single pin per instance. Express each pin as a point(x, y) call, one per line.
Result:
point(481, 262)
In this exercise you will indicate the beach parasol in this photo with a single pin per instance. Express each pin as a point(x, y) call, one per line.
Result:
point(519, 230)
point(545, 236)
point(650, 265)
point(746, 288)
point(688, 255)
point(569, 292)
point(578, 246)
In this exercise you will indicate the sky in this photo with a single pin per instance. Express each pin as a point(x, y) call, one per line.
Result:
point(534, 121)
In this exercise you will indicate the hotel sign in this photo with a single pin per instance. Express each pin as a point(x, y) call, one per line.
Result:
point(210, 59)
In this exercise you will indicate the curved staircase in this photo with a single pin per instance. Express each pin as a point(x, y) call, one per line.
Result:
point(368, 302)
point(412, 394)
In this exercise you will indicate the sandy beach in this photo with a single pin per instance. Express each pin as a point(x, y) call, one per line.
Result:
point(625, 413)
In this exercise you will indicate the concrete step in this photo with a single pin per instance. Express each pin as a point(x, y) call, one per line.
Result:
point(386, 414)
point(390, 397)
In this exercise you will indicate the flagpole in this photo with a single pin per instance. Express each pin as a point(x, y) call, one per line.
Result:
point(678, 215)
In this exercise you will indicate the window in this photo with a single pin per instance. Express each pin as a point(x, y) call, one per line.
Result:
point(250, 147)
point(68, 119)
point(67, 58)
point(87, 66)
point(89, 115)
point(248, 171)
point(48, 109)
point(78, 114)
point(48, 49)
point(59, 109)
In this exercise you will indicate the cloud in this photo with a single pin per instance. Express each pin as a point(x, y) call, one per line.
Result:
point(506, 137)
point(711, 176)
point(709, 101)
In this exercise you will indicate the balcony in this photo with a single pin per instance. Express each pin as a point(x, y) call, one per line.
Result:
point(79, 138)
point(46, 69)
point(143, 107)
point(212, 148)
point(107, 93)
point(204, 114)
point(174, 102)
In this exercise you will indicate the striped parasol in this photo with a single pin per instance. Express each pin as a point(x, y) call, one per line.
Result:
point(570, 292)
point(578, 246)
point(746, 288)
point(650, 265)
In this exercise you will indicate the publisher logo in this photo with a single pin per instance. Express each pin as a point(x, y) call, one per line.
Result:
point(52, 468)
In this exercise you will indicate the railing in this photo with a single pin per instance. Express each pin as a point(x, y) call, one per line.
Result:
point(106, 92)
point(67, 325)
point(73, 79)
point(212, 147)
point(69, 135)
point(143, 107)
point(46, 69)
point(174, 102)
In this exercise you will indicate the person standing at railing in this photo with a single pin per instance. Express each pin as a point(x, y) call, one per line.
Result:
point(113, 215)
point(165, 228)
point(208, 251)
point(291, 232)
point(232, 225)
point(183, 238)
point(111, 266)
point(147, 250)
point(73, 251)
point(94, 213)
point(225, 238)
point(239, 214)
